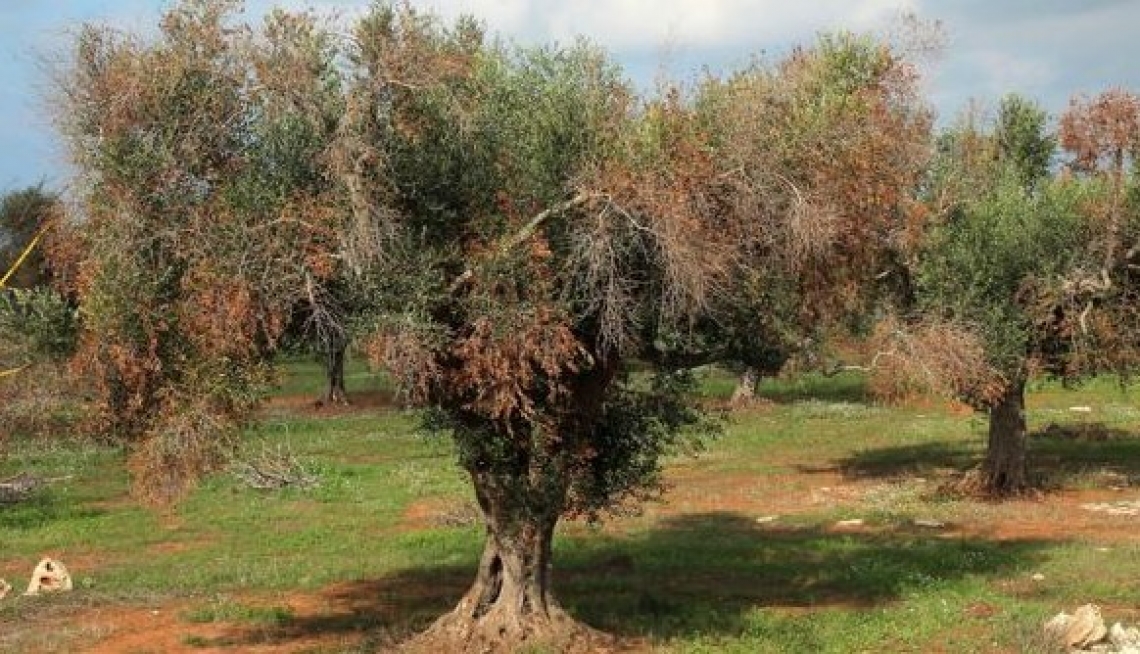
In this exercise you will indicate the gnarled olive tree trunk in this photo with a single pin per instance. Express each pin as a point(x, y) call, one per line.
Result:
point(521, 497)
point(1005, 469)
point(510, 604)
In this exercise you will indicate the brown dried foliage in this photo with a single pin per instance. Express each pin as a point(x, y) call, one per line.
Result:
point(195, 242)
point(826, 171)
point(1101, 132)
point(509, 366)
point(931, 357)
point(669, 210)
point(185, 444)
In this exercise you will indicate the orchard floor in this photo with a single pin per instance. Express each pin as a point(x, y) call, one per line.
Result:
point(817, 523)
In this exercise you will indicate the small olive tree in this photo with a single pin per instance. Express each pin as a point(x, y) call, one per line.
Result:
point(24, 216)
point(1025, 273)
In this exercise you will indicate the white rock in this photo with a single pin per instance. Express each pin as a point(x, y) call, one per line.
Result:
point(1081, 409)
point(5, 588)
point(1037, 576)
point(1124, 637)
point(48, 577)
point(1056, 626)
point(766, 519)
point(931, 524)
point(1085, 628)
point(854, 522)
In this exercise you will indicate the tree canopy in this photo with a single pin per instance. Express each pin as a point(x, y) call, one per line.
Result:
point(205, 213)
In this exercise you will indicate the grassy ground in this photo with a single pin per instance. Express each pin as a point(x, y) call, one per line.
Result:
point(745, 554)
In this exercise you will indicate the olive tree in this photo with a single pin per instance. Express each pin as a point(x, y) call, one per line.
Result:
point(38, 323)
point(204, 214)
point(1021, 275)
point(828, 145)
point(525, 226)
point(24, 215)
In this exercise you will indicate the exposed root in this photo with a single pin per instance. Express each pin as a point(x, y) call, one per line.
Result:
point(505, 630)
point(978, 484)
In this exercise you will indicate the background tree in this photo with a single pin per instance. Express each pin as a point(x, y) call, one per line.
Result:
point(319, 325)
point(1022, 139)
point(1014, 281)
point(37, 397)
point(204, 213)
point(23, 214)
point(825, 148)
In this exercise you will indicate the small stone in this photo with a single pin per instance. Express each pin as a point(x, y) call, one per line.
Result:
point(854, 522)
point(1121, 637)
point(1037, 576)
point(930, 524)
point(5, 588)
point(1081, 409)
point(1056, 626)
point(1085, 628)
point(766, 519)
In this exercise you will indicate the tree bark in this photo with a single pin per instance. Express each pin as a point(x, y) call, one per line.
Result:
point(522, 495)
point(745, 391)
point(334, 371)
point(1005, 469)
point(510, 605)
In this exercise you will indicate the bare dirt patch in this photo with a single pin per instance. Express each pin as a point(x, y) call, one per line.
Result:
point(440, 512)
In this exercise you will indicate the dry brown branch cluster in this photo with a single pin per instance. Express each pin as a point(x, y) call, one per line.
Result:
point(931, 357)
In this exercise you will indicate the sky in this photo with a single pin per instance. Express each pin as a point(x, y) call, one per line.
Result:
point(1045, 49)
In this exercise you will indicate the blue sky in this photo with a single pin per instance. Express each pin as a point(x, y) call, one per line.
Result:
point(1047, 49)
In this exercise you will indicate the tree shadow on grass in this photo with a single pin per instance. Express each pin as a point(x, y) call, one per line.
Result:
point(1064, 455)
point(1059, 456)
point(43, 507)
point(846, 388)
point(911, 460)
point(704, 573)
point(693, 574)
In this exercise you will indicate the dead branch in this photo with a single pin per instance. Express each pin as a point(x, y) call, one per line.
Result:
point(19, 488)
point(525, 233)
point(274, 470)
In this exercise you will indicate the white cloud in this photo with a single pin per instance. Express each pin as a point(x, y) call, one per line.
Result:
point(642, 25)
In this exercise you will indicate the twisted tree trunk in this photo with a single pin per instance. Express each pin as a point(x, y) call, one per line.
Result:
point(522, 493)
point(510, 605)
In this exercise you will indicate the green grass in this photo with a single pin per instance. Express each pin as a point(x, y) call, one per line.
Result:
point(306, 376)
point(700, 575)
